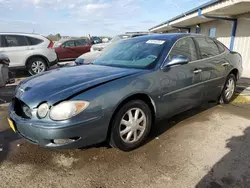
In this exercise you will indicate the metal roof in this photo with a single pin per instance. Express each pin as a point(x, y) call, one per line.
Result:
point(209, 3)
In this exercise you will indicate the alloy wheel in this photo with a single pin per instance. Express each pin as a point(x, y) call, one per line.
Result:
point(229, 90)
point(38, 67)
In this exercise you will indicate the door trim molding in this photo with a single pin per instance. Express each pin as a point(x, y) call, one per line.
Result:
point(191, 86)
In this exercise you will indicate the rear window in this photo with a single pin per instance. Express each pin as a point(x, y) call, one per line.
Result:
point(221, 47)
point(34, 41)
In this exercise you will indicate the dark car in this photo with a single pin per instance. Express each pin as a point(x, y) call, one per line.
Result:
point(120, 96)
point(96, 40)
point(5, 74)
point(70, 49)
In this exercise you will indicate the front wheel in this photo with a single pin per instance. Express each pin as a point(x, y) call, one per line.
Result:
point(229, 90)
point(131, 125)
point(36, 65)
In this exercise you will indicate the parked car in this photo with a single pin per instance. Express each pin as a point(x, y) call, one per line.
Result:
point(120, 96)
point(70, 49)
point(96, 50)
point(32, 52)
point(96, 40)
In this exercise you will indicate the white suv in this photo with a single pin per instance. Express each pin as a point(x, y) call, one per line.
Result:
point(31, 51)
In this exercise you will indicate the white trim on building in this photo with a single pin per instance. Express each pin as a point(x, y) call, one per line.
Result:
point(227, 20)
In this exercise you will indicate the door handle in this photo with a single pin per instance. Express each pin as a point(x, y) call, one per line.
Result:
point(196, 71)
point(30, 48)
point(224, 64)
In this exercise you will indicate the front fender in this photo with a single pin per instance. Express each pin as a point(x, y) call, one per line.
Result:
point(105, 98)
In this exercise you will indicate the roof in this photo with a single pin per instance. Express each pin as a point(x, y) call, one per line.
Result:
point(18, 33)
point(212, 10)
point(211, 2)
point(165, 36)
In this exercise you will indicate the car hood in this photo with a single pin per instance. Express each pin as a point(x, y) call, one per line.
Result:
point(60, 84)
point(101, 45)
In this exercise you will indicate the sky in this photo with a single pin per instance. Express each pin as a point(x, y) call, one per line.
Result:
point(83, 17)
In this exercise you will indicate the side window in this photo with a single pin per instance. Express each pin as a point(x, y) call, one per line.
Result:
point(184, 47)
point(34, 41)
point(82, 42)
point(1, 42)
point(207, 47)
point(221, 47)
point(15, 40)
point(69, 44)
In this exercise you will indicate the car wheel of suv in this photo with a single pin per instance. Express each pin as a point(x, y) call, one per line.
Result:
point(36, 65)
point(229, 90)
point(131, 126)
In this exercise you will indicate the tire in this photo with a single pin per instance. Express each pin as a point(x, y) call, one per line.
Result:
point(141, 129)
point(225, 98)
point(41, 65)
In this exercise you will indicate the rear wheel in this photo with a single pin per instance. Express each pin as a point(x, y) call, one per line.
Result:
point(229, 90)
point(131, 125)
point(36, 65)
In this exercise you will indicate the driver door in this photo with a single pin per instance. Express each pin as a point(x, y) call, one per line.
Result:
point(181, 84)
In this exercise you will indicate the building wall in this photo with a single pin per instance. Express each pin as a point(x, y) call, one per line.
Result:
point(223, 34)
point(242, 41)
point(223, 30)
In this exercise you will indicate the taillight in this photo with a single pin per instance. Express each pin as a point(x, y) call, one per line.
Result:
point(51, 44)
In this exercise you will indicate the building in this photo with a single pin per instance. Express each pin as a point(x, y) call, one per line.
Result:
point(226, 20)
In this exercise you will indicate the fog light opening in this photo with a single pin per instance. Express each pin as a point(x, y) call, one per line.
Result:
point(65, 141)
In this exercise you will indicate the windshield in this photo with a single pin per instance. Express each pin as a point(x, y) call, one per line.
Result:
point(132, 53)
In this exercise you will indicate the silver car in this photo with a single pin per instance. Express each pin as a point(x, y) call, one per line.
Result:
point(32, 52)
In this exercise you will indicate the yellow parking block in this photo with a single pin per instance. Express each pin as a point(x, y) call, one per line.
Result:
point(244, 87)
point(242, 94)
point(241, 99)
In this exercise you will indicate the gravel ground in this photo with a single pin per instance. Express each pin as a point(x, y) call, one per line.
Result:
point(205, 147)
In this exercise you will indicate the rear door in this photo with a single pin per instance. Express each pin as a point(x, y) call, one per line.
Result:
point(212, 64)
point(181, 85)
point(82, 46)
point(16, 48)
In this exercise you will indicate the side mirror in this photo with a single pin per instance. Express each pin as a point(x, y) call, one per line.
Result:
point(177, 60)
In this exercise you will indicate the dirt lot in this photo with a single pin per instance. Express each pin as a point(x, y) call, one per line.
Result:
point(205, 147)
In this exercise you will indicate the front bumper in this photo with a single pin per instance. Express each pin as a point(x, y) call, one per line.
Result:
point(86, 133)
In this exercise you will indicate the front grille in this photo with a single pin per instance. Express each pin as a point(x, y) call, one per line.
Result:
point(21, 109)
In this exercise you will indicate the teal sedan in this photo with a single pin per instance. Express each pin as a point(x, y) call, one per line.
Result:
point(120, 95)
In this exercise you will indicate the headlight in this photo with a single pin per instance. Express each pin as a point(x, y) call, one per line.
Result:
point(68, 109)
point(43, 110)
